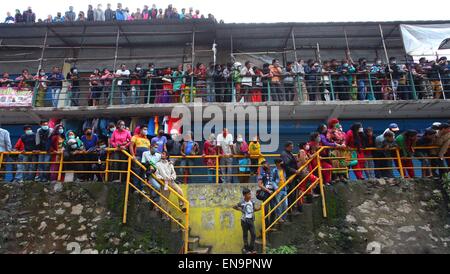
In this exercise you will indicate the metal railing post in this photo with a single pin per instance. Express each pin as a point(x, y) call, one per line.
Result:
point(217, 169)
point(191, 97)
point(263, 229)
point(149, 90)
point(60, 168)
point(269, 98)
point(372, 93)
point(322, 192)
point(111, 97)
point(1, 160)
point(399, 162)
point(333, 98)
point(108, 154)
point(299, 87)
point(186, 230)
point(442, 86)
point(127, 190)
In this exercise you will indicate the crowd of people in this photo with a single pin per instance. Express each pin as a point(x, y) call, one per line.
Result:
point(304, 81)
point(99, 14)
point(358, 149)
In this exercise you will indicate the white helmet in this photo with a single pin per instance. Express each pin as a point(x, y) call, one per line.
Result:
point(237, 65)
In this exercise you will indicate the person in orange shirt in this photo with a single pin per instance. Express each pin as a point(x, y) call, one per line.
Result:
point(276, 88)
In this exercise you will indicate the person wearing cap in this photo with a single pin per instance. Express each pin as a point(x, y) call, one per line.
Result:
point(384, 142)
point(393, 127)
point(425, 140)
point(442, 141)
point(406, 142)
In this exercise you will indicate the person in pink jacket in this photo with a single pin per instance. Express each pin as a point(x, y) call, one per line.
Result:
point(120, 140)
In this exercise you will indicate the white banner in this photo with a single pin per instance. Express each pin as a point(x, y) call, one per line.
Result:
point(424, 40)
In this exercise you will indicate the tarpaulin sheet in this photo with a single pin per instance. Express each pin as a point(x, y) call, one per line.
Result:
point(424, 39)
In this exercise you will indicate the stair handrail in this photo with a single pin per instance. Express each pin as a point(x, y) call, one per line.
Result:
point(283, 185)
point(130, 172)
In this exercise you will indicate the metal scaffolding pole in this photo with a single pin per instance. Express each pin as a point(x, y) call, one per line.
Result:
point(231, 48)
point(43, 51)
point(294, 46)
point(117, 49)
point(387, 61)
point(193, 49)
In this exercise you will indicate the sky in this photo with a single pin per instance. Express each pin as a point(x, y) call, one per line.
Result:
point(264, 11)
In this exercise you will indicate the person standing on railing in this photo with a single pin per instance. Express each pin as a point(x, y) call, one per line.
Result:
point(136, 79)
point(248, 209)
point(219, 83)
point(139, 144)
point(5, 146)
point(210, 149)
point(29, 16)
point(266, 188)
point(355, 140)
point(442, 141)
point(43, 143)
point(166, 173)
point(278, 178)
point(247, 74)
point(345, 80)
point(241, 148)
point(256, 157)
point(74, 87)
point(96, 88)
point(290, 167)
point(70, 15)
point(120, 140)
point(9, 19)
point(200, 83)
point(369, 142)
point(123, 74)
point(326, 80)
point(56, 149)
point(178, 81)
point(312, 78)
point(41, 79)
point(109, 13)
point(55, 79)
point(406, 142)
point(89, 140)
point(299, 69)
point(438, 70)
point(237, 80)
point(18, 17)
point(26, 143)
point(377, 74)
point(119, 15)
point(188, 148)
point(275, 82)
point(25, 80)
point(225, 150)
point(99, 15)
point(174, 146)
point(363, 70)
point(426, 140)
point(210, 86)
point(289, 81)
point(386, 142)
point(73, 152)
point(106, 80)
point(5, 81)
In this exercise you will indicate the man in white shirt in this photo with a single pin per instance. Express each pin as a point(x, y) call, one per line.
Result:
point(246, 85)
point(225, 146)
point(123, 74)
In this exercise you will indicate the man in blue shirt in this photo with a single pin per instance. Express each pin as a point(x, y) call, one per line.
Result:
point(55, 84)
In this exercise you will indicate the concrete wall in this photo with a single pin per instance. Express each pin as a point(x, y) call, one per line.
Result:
point(212, 217)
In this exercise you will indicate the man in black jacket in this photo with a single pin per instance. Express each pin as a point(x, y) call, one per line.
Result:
point(29, 16)
point(290, 167)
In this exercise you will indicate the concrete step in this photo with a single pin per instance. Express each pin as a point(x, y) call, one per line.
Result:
point(200, 250)
point(193, 242)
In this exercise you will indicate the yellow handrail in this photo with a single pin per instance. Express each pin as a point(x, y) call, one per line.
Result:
point(130, 172)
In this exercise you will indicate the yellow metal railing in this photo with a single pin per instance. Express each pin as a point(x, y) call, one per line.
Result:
point(293, 191)
point(130, 172)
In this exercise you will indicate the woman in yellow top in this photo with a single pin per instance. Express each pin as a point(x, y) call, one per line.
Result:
point(254, 150)
point(139, 144)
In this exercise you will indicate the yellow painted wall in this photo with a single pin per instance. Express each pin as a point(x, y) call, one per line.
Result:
point(213, 219)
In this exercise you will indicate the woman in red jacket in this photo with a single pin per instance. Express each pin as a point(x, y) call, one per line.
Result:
point(355, 140)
